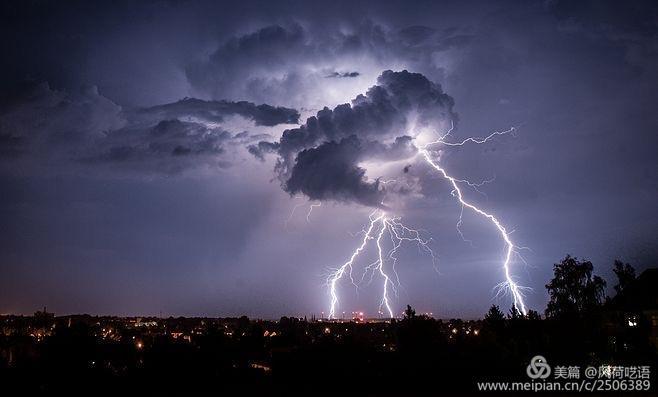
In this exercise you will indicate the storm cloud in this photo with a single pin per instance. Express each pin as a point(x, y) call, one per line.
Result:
point(289, 62)
point(344, 74)
point(126, 199)
point(217, 111)
point(321, 158)
point(83, 126)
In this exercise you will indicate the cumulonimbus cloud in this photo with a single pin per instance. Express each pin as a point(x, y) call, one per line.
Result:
point(321, 159)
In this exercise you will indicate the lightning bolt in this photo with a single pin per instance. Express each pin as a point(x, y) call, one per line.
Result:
point(380, 224)
point(380, 267)
point(308, 214)
point(509, 283)
point(400, 233)
point(310, 210)
point(287, 221)
point(337, 274)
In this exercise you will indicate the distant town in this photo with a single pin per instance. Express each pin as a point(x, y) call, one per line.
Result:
point(580, 329)
point(143, 333)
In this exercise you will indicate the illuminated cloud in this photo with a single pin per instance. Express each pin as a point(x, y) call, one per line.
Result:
point(308, 67)
point(321, 158)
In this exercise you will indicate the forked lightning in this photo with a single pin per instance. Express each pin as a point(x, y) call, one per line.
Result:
point(380, 223)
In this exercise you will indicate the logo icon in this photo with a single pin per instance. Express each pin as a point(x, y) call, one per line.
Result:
point(538, 368)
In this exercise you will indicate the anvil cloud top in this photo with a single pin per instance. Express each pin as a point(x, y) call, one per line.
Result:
point(153, 155)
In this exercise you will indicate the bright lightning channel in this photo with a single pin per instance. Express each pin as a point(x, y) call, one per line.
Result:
point(310, 210)
point(337, 274)
point(509, 283)
point(380, 267)
point(380, 224)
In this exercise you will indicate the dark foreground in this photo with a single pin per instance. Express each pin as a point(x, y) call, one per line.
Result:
point(587, 343)
point(414, 355)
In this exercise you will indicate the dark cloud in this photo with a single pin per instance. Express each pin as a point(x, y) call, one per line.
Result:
point(263, 147)
point(344, 74)
point(51, 123)
point(400, 149)
point(320, 158)
point(85, 126)
point(216, 112)
point(229, 70)
point(170, 146)
point(329, 172)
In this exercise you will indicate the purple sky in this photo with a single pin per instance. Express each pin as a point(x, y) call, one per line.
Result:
point(119, 196)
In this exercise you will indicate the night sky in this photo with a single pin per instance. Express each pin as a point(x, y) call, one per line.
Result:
point(144, 167)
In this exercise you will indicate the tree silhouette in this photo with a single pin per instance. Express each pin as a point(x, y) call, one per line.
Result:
point(514, 313)
point(409, 313)
point(625, 275)
point(494, 314)
point(533, 315)
point(574, 290)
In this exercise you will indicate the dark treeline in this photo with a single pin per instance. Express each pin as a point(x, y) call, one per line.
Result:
point(416, 354)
